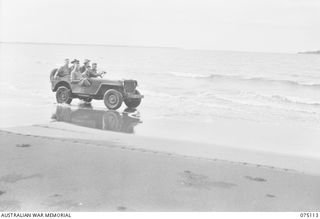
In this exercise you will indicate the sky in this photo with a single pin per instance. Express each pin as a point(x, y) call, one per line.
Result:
point(237, 25)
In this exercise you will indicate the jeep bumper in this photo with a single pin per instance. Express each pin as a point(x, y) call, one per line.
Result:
point(134, 96)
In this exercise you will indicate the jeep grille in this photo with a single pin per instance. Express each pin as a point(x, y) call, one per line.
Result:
point(130, 86)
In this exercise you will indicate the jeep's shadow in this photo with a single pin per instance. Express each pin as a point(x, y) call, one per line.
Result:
point(85, 115)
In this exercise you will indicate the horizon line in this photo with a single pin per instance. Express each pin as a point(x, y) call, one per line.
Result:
point(88, 44)
point(159, 47)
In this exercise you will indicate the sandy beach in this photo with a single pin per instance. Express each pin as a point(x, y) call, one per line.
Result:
point(59, 167)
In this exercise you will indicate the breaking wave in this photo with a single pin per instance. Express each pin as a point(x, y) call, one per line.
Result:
point(254, 97)
point(241, 78)
point(291, 101)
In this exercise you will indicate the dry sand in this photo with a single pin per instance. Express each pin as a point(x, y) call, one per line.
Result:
point(57, 167)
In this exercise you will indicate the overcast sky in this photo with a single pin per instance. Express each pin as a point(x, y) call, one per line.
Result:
point(243, 25)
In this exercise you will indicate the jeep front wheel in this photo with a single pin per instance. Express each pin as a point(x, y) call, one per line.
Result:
point(133, 102)
point(112, 99)
point(63, 95)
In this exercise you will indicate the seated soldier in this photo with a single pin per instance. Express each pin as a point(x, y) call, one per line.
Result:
point(86, 65)
point(63, 70)
point(73, 65)
point(76, 76)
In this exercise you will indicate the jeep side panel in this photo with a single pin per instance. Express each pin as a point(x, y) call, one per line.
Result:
point(97, 88)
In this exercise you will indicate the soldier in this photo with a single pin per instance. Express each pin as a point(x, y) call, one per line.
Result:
point(86, 65)
point(76, 76)
point(73, 64)
point(63, 70)
point(92, 72)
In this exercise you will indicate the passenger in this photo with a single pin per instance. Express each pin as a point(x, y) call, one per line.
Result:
point(86, 65)
point(92, 72)
point(63, 70)
point(73, 65)
point(76, 76)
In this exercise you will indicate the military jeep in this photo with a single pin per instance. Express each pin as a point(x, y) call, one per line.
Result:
point(112, 92)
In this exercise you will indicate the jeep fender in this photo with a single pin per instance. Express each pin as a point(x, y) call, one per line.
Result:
point(105, 87)
point(61, 83)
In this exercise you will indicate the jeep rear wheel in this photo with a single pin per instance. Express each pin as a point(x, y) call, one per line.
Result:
point(112, 99)
point(133, 102)
point(63, 95)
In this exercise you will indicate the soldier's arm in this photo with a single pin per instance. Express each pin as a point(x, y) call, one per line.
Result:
point(57, 73)
point(85, 74)
point(73, 77)
point(94, 75)
point(102, 73)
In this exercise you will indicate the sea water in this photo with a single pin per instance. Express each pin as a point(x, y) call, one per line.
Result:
point(215, 91)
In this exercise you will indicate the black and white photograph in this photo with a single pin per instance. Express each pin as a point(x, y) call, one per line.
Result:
point(159, 106)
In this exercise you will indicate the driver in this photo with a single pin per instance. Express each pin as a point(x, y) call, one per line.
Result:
point(92, 72)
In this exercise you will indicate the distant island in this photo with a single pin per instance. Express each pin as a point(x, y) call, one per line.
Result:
point(310, 52)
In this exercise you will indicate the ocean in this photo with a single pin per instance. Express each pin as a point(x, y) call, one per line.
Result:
point(182, 86)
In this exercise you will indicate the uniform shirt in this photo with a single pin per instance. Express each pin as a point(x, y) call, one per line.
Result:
point(63, 71)
point(75, 75)
point(83, 68)
point(91, 73)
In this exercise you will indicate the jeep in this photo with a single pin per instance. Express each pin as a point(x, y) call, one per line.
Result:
point(112, 92)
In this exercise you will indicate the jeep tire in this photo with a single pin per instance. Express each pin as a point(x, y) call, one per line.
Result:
point(113, 99)
point(133, 102)
point(63, 95)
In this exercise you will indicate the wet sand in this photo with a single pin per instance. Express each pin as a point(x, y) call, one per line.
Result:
point(58, 167)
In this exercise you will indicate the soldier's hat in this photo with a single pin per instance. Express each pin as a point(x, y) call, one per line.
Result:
point(75, 61)
point(86, 61)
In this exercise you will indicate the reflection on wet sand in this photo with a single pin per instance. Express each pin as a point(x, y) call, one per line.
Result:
point(85, 115)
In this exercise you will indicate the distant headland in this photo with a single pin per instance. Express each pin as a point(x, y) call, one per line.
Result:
point(310, 52)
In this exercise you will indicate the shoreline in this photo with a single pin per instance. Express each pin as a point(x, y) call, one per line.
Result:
point(179, 147)
point(48, 173)
point(95, 143)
